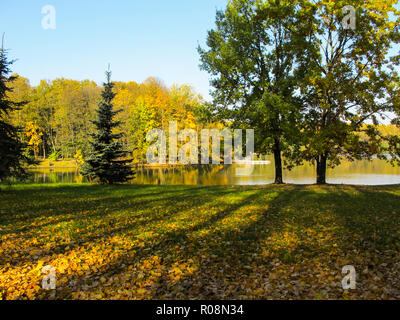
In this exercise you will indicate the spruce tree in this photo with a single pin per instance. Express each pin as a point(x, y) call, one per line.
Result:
point(12, 149)
point(105, 163)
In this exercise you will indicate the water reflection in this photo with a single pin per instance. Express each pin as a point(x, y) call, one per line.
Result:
point(375, 172)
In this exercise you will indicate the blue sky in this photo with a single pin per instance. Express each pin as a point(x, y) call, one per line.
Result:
point(140, 38)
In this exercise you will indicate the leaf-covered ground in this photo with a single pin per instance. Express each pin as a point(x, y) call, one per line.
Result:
point(176, 242)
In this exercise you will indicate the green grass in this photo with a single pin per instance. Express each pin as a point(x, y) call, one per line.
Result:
point(67, 163)
point(176, 242)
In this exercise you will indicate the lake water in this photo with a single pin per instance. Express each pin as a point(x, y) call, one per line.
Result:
point(375, 172)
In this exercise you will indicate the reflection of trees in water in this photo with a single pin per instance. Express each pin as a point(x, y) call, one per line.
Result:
point(215, 175)
point(67, 175)
point(188, 175)
point(376, 166)
point(226, 174)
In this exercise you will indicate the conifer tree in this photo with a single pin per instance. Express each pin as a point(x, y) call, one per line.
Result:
point(12, 149)
point(105, 163)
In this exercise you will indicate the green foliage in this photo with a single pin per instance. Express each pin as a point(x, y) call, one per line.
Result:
point(54, 156)
point(307, 84)
point(251, 61)
point(105, 161)
point(12, 150)
point(350, 79)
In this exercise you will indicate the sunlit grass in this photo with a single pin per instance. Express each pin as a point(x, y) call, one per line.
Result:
point(161, 242)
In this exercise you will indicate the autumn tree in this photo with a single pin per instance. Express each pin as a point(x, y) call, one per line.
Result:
point(75, 105)
point(21, 91)
point(251, 61)
point(12, 156)
point(34, 136)
point(152, 105)
point(41, 110)
point(350, 83)
point(105, 161)
point(391, 133)
point(62, 108)
point(60, 111)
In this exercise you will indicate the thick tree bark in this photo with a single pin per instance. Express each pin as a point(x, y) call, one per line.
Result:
point(278, 162)
point(321, 169)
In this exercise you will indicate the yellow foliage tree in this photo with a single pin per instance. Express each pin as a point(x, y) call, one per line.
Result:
point(79, 158)
point(34, 136)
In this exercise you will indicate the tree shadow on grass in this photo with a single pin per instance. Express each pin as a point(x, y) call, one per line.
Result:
point(322, 222)
point(340, 215)
point(165, 245)
point(134, 213)
point(76, 204)
point(168, 236)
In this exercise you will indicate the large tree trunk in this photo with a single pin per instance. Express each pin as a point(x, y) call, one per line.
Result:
point(321, 169)
point(278, 162)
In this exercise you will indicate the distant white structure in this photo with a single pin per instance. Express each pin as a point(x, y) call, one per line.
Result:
point(251, 162)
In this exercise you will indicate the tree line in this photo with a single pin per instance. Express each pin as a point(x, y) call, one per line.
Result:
point(56, 118)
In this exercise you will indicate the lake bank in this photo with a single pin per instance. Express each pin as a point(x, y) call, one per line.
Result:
point(72, 164)
point(374, 172)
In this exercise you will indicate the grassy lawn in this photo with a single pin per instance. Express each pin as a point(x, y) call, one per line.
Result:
point(67, 163)
point(174, 242)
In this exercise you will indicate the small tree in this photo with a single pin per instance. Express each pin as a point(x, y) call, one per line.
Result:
point(12, 149)
point(105, 162)
point(34, 136)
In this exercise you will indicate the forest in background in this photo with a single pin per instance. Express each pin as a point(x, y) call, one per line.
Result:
point(56, 120)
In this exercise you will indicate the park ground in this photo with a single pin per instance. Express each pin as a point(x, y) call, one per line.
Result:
point(56, 164)
point(189, 242)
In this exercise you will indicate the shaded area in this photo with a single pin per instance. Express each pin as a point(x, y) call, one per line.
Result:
point(160, 242)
